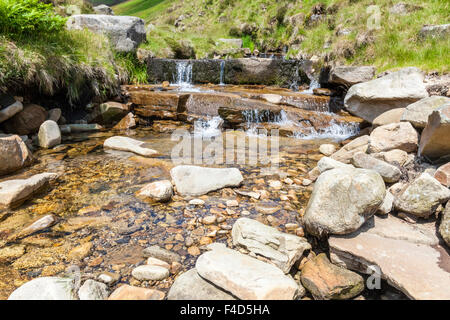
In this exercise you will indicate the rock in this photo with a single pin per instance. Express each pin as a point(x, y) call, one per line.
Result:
point(370, 99)
point(282, 249)
point(418, 112)
point(109, 278)
point(14, 192)
point(342, 200)
point(348, 75)
point(49, 134)
point(402, 8)
point(93, 290)
point(54, 114)
point(196, 202)
point(390, 116)
point(9, 254)
point(245, 277)
point(327, 281)
point(195, 181)
point(387, 205)
point(432, 141)
point(108, 113)
point(127, 292)
point(435, 31)
point(9, 111)
point(399, 135)
point(326, 164)
point(395, 157)
point(444, 228)
point(162, 254)
point(45, 288)
point(422, 197)
point(209, 220)
point(148, 272)
point(157, 262)
point(26, 121)
point(103, 9)
point(327, 149)
point(79, 127)
point(125, 33)
point(14, 154)
point(127, 122)
point(158, 191)
point(442, 174)
point(232, 42)
point(346, 153)
point(130, 145)
point(190, 286)
point(39, 225)
point(407, 255)
point(387, 171)
point(80, 252)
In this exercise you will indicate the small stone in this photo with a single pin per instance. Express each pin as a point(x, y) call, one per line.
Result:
point(194, 251)
point(327, 149)
point(80, 252)
point(109, 278)
point(150, 272)
point(158, 191)
point(127, 292)
point(306, 182)
point(49, 134)
point(157, 262)
point(162, 254)
point(93, 290)
point(197, 202)
point(232, 203)
point(209, 219)
point(39, 225)
point(275, 184)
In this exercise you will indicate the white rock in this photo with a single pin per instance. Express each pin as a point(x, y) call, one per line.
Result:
point(388, 172)
point(158, 191)
point(392, 136)
point(130, 145)
point(14, 154)
point(326, 164)
point(435, 141)
point(10, 111)
point(150, 272)
point(387, 205)
point(327, 149)
point(93, 290)
point(45, 288)
point(49, 134)
point(345, 154)
point(418, 112)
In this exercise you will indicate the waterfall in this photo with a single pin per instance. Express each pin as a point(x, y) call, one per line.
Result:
point(184, 74)
point(222, 72)
point(314, 84)
point(335, 131)
point(209, 127)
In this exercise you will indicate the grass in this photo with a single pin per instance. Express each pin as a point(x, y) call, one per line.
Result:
point(395, 44)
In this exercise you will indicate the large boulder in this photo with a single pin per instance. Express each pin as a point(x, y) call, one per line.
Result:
point(327, 281)
point(282, 249)
point(407, 255)
point(347, 75)
point(195, 181)
point(26, 121)
point(422, 197)
point(49, 134)
point(125, 33)
point(46, 288)
point(434, 141)
point(390, 116)
point(444, 228)
point(387, 171)
point(342, 200)
point(418, 112)
point(15, 192)
point(245, 277)
point(14, 154)
point(396, 90)
point(346, 153)
point(400, 135)
point(442, 174)
point(129, 145)
point(190, 286)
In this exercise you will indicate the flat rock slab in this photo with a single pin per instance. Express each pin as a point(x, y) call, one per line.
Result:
point(130, 145)
point(15, 192)
point(190, 286)
point(45, 288)
point(245, 277)
point(408, 256)
point(195, 181)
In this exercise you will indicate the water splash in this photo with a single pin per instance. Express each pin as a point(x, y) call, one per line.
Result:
point(209, 127)
point(184, 75)
point(335, 131)
point(314, 84)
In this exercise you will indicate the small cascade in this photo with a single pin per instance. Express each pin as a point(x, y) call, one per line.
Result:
point(314, 84)
point(209, 127)
point(222, 72)
point(184, 75)
point(335, 131)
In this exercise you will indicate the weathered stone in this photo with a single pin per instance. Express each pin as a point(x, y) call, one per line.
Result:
point(418, 112)
point(127, 122)
point(9, 254)
point(45, 288)
point(103, 9)
point(10, 110)
point(327, 149)
point(195, 181)
point(190, 286)
point(125, 33)
point(433, 142)
point(162, 254)
point(15, 192)
point(342, 200)
point(390, 116)
point(49, 134)
point(395, 157)
point(327, 281)
point(245, 277)
point(14, 154)
point(399, 135)
point(326, 164)
point(407, 255)
point(387, 205)
point(80, 127)
point(54, 114)
point(26, 121)
point(345, 154)
point(233, 42)
point(93, 290)
point(435, 31)
point(396, 90)
point(388, 172)
point(349, 75)
point(282, 249)
point(442, 174)
point(108, 113)
point(80, 252)
point(157, 262)
point(39, 225)
point(148, 272)
point(158, 191)
point(127, 292)
point(444, 228)
point(422, 197)
point(130, 145)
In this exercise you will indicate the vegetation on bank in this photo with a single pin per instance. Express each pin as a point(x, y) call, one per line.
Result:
point(329, 29)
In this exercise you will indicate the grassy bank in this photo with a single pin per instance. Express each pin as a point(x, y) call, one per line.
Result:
point(340, 31)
